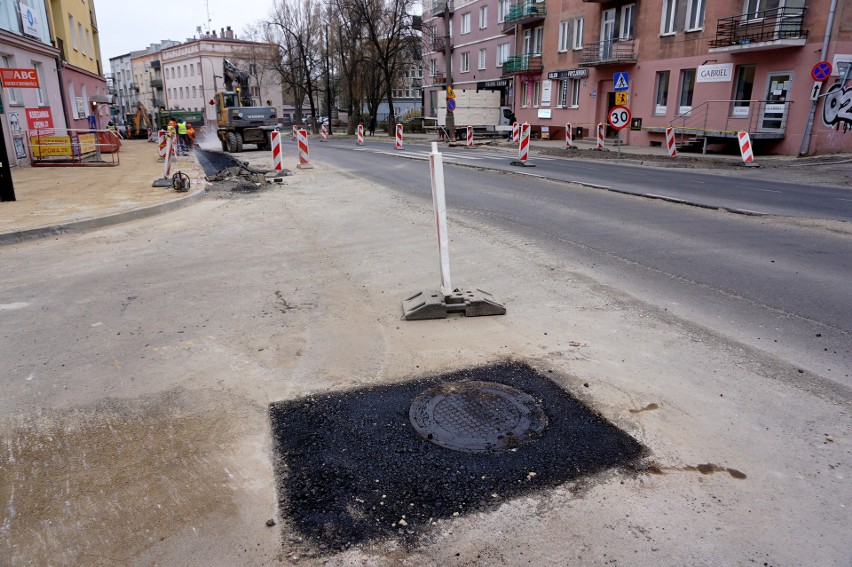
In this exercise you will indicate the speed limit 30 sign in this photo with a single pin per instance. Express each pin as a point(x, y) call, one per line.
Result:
point(619, 117)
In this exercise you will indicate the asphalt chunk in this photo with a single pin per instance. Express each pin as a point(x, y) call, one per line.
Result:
point(351, 468)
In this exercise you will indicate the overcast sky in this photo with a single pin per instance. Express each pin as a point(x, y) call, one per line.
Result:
point(125, 26)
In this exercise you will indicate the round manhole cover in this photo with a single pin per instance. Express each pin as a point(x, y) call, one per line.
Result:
point(477, 416)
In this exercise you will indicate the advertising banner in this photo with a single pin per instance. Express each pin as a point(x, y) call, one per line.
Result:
point(39, 119)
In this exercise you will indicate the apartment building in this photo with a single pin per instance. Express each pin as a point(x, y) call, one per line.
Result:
point(706, 69)
point(141, 82)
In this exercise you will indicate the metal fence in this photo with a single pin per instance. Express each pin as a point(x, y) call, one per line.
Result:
point(73, 148)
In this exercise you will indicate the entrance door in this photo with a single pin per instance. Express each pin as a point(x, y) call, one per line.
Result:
point(775, 107)
point(610, 104)
point(607, 33)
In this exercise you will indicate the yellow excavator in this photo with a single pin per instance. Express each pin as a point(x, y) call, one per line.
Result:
point(139, 123)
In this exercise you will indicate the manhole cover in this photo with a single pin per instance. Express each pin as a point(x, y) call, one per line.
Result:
point(475, 416)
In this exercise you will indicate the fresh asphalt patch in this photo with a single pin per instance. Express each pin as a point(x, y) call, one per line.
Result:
point(351, 468)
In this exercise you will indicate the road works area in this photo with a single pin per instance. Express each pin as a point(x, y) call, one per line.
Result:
point(142, 364)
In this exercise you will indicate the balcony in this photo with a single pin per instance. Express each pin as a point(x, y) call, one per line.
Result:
point(769, 29)
point(524, 13)
point(438, 79)
point(609, 52)
point(156, 83)
point(439, 5)
point(529, 64)
point(438, 44)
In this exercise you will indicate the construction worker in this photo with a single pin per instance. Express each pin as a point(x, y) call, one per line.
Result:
point(190, 134)
point(183, 138)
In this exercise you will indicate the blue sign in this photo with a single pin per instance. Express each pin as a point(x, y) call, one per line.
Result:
point(621, 82)
point(821, 71)
point(451, 105)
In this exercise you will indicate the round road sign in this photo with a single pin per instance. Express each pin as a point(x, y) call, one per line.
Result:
point(451, 105)
point(821, 71)
point(619, 117)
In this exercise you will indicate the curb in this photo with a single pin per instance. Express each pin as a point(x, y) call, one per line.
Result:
point(101, 222)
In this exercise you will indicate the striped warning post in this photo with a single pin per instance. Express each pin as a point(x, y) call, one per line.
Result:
point(569, 136)
point(295, 132)
point(745, 147)
point(469, 136)
point(398, 145)
point(324, 133)
point(515, 134)
point(524, 146)
point(360, 134)
point(670, 142)
point(161, 141)
point(304, 158)
point(167, 157)
point(277, 156)
point(600, 145)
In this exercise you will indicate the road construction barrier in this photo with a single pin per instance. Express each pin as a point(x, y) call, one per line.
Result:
point(360, 134)
point(324, 133)
point(524, 146)
point(398, 145)
point(439, 202)
point(277, 156)
point(515, 133)
point(745, 147)
point(569, 136)
point(600, 145)
point(295, 132)
point(304, 158)
point(670, 142)
point(469, 136)
point(161, 142)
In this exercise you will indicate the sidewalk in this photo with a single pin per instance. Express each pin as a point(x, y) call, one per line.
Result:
point(53, 200)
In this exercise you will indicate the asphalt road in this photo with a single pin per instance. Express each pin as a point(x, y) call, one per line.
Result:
point(781, 286)
point(748, 194)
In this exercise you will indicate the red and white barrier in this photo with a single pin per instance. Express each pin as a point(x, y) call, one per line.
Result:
point(295, 131)
point(304, 158)
point(324, 133)
point(515, 133)
point(670, 142)
point(360, 134)
point(600, 145)
point(161, 142)
point(745, 147)
point(167, 157)
point(524, 146)
point(277, 155)
point(469, 136)
point(569, 136)
point(398, 145)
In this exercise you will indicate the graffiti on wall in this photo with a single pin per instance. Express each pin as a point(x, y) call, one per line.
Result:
point(837, 108)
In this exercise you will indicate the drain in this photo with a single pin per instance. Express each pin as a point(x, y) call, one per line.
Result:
point(476, 417)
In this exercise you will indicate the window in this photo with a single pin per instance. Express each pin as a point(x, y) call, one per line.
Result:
point(483, 17)
point(503, 7)
point(743, 87)
point(533, 40)
point(662, 95)
point(687, 86)
point(191, 70)
point(695, 15)
point(178, 71)
point(180, 90)
point(667, 23)
point(562, 99)
point(578, 33)
point(185, 74)
point(628, 15)
point(193, 92)
point(465, 62)
point(465, 23)
point(13, 96)
point(72, 98)
point(80, 35)
point(564, 35)
point(40, 91)
point(483, 55)
point(753, 8)
point(85, 94)
point(199, 69)
point(433, 67)
point(536, 93)
point(502, 53)
point(575, 93)
point(89, 43)
point(72, 31)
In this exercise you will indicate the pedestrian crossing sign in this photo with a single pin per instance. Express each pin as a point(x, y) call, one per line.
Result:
point(621, 83)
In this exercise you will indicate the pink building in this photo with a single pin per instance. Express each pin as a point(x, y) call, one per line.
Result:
point(706, 69)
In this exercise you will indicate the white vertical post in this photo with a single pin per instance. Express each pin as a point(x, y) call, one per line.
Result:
point(167, 161)
point(439, 202)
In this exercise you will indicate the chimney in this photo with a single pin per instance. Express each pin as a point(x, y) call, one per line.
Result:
point(222, 33)
point(229, 33)
point(214, 33)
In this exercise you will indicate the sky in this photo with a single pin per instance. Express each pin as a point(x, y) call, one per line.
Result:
point(125, 26)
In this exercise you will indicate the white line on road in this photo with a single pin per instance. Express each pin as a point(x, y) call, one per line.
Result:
point(766, 190)
point(839, 199)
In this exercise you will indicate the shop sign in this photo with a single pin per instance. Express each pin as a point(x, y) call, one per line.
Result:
point(568, 74)
point(492, 85)
point(19, 78)
point(39, 119)
point(32, 26)
point(721, 73)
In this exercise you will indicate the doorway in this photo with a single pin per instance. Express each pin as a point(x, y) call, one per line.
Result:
point(775, 107)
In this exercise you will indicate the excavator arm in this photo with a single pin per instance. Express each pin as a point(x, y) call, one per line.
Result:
point(231, 74)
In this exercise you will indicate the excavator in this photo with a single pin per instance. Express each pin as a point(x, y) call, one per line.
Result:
point(139, 123)
point(239, 122)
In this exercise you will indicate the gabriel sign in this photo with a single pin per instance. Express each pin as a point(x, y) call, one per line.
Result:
point(19, 78)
